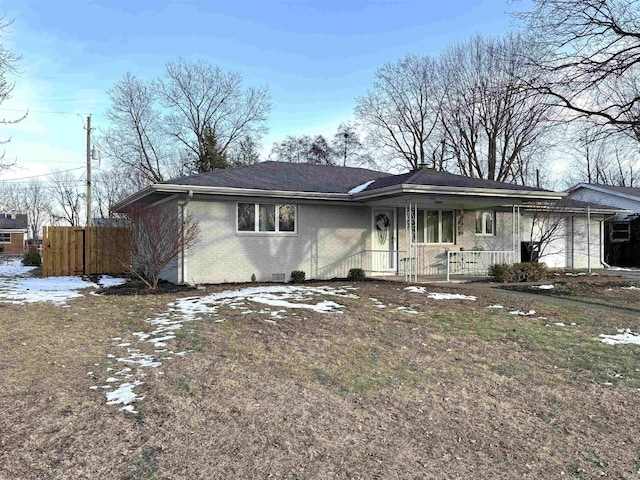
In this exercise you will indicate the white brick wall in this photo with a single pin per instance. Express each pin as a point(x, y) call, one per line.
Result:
point(328, 242)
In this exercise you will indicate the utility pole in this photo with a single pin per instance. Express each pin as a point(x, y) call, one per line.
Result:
point(89, 171)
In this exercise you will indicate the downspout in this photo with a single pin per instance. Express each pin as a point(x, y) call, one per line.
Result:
point(183, 253)
point(588, 239)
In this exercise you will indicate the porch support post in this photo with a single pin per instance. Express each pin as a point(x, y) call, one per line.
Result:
point(407, 240)
point(411, 265)
point(414, 238)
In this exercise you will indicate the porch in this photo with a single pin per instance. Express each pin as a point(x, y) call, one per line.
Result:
point(423, 265)
point(441, 237)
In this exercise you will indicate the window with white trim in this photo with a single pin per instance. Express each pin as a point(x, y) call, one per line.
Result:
point(620, 232)
point(485, 222)
point(266, 218)
point(5, 237)
point(435, 226)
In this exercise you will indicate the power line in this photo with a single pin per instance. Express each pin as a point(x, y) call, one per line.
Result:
point(42, 175)
point(54, 112)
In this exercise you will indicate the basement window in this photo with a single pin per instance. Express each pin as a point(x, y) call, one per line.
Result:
point(266, 218)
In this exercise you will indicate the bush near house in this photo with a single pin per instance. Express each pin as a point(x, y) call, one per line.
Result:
point(297, 276)
point(356, 275)
point(32, 258)
point(518, 272)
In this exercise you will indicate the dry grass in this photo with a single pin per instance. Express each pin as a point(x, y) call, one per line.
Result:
point(458, 391)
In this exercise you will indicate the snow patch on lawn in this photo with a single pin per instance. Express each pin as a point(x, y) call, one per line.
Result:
point(440, 296)
point(17, 289)
point(632, 287)
point(165, 326)
point(624, 336)
point(542, 287)
point(521, 313)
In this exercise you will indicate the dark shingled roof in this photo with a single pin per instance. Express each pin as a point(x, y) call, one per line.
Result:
point(436, 178)
point(306, 177)
point(8, 223)
point(297, 177)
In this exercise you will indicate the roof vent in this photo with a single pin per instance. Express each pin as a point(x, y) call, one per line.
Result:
point(424, 166)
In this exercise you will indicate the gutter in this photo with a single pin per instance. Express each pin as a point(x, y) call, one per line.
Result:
point(458, 191)
point(229, 191)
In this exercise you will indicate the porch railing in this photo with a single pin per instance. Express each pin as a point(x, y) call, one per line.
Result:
point(475, 263)
point(382, 261)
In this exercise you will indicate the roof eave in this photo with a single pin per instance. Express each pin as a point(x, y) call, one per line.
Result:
point(462, 191)
point(228, 191)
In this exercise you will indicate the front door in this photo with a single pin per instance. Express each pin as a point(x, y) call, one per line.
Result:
point(383, 241)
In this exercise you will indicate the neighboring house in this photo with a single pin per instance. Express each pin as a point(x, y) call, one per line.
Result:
point(271, 218)
point(622, 238)
point(13, 233)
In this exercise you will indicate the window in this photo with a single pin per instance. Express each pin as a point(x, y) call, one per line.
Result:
point(435, 226)
point(266, 217)
point(620, 232)
point(5, 237)
point(485, 222)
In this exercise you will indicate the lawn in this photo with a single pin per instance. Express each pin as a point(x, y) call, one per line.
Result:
point(333, 380)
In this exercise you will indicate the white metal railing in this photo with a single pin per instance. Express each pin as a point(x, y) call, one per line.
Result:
point(475, 262)
point(381, 261)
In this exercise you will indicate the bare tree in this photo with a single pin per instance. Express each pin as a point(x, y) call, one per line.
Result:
point(66, 199)
point(31, 199)
point(109, 186)
point(157, 236)
point(246, 153)
point(135, 138)
point(402, 110)
point(205, 101)
point(320, 151)
point(303, 149)
point(492, 125)
point(602, 157)
point(549, 223)
point(8, 67)
point(593, 48)
point(347, 147)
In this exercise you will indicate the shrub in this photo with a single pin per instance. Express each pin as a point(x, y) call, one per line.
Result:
point(32, 258)
point(499, 272)
point(530, 271)
point(356, 275)
point(297, 276)
point(518, 272)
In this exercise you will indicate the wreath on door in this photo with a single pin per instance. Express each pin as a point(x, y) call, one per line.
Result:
point(382, 227)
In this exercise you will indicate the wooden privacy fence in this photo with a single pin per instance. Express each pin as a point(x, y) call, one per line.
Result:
point(83, 251)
